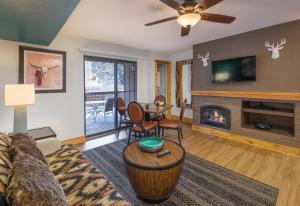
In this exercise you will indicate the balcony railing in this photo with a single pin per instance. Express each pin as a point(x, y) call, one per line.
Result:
point(98, 96)
point(104, 96)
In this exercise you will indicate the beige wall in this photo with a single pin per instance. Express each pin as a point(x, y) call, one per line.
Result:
point(64, 112)
point(281, 75)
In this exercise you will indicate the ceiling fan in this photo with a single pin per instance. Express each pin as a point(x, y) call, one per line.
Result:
point(191, 12)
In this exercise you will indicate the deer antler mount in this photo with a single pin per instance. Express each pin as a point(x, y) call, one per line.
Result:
point(204, 59)
point(275, 49)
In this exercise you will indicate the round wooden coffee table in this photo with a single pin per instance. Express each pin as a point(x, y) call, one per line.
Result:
point(154, 178)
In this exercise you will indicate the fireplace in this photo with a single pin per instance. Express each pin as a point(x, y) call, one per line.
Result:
point(215, 116)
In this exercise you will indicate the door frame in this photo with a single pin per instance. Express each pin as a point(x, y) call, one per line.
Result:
point(168, 80)
point(104, 59)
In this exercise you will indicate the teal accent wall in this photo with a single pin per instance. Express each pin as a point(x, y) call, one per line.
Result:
point(34, 21)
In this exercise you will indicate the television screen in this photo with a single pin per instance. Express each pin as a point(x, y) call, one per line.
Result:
point(241, 69)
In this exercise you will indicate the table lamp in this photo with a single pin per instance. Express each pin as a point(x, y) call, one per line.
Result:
point(19, 96)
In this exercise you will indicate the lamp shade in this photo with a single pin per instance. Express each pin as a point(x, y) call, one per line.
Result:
point(19, 94)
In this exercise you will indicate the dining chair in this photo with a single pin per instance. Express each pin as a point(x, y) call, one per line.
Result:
point(174, 125)
point(90, 113)
point(95, 110)
point(108, 108)
point(140, 126)
point(124, 120)
point(159, 100)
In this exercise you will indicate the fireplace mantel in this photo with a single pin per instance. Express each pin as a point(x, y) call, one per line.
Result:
point(289, 96)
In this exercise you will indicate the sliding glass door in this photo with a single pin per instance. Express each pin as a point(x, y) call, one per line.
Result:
point(105, 80)
point(127, 81)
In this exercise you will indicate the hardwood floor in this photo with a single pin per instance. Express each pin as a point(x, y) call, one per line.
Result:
point(276, 169)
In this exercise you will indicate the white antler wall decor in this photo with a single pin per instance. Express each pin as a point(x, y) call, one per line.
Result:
point(204, 59)
point(275, 49)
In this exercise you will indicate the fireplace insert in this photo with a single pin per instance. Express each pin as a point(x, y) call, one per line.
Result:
point(215, 116)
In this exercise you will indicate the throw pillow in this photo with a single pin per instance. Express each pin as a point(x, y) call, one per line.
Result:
point(31, 183)
point(22, 144)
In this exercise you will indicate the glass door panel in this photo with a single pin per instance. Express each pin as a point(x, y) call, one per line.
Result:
point(99, 96)
point(127, 81)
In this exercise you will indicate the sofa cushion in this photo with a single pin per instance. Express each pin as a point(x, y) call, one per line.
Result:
point(23, 144)
point(32, 183)
point(82, 183)
point(5, 165)
point(49, 145)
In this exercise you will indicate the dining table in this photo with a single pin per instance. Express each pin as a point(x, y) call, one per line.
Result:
point(152, 108)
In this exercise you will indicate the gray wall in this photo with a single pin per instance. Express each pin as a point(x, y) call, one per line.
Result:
point(281, 75)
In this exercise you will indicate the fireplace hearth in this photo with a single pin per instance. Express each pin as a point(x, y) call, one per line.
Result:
point(215, 116)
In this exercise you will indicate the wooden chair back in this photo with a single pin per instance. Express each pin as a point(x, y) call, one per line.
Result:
point(136, 113)
point(120, 104)
point(160, 98)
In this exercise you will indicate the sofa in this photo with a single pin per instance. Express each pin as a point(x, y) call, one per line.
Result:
point(82, 183)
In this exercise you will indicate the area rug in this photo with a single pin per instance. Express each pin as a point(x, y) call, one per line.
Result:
point(201, 183)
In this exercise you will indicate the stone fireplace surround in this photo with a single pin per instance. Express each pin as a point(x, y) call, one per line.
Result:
point(235, 106)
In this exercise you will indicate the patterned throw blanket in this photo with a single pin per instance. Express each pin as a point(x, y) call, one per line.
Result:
point(82, 183)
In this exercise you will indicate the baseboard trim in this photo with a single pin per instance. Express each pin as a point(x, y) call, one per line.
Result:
point(175, 117)
point(293, 151)
point(75, 140)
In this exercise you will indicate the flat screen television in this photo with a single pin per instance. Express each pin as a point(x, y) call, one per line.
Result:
point(242, 69)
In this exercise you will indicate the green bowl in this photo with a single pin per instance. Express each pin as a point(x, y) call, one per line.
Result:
point(151, 144)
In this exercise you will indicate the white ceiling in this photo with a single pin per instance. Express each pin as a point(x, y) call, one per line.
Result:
point(122, 22)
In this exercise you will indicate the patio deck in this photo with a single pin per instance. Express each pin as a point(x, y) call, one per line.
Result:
point(99, 125)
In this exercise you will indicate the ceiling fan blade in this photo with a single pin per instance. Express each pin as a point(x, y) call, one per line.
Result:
point(185, 31)
point(161, 21)
point(205, 4)
point(217, 18)
point(171, 3)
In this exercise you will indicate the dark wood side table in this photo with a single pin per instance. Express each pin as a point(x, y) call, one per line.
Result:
point(154, 178)
point(41, 133)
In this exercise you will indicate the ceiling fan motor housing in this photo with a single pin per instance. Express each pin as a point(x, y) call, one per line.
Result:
point(189, 7)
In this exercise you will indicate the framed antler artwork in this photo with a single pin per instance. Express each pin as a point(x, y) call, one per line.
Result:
point(44, 68)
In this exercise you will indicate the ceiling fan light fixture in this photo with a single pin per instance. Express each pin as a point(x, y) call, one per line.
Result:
point(189, 19)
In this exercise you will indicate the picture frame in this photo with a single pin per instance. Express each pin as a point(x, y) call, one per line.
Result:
point(44, 68)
